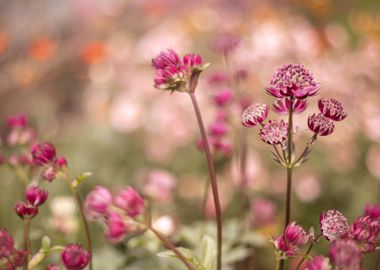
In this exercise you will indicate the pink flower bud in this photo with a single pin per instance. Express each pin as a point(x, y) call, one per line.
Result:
point(223, 97)
point(218, 128)
point(345, 254)
point(6, 244)
point(293, 238)
point(318, 263)
point(35, 195)
point(320, 125)
point(254, 114)
point(74, 257)
point(17, 121)
point(274, 132)
point(116, 229)
point(43, 153)
point(130, 201)
point(334, 225)
point(49, 173)
point(61, 163)
point(372, 210)
point(332, 109)
point(24, 210)
point(192, 60)
point(97, 202)
point(366, 231)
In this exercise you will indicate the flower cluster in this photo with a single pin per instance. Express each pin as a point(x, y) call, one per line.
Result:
point(119, 211)
point(292, 240)
point(176, 74)
point(34, 197)
point(10, 257)
point(334, 225)
point(74, 257)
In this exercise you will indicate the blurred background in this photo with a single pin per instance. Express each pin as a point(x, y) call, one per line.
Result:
point(81, 70)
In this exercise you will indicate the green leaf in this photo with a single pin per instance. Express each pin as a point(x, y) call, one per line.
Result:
point(45, 243)
point(79, 179)
point(208, 248)
point(235, 254)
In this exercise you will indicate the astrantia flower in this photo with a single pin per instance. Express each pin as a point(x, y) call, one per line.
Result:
point(334, 225)
point(254, 114)
point(292, 80)
point(366, 231)
point(35, 195)
point(274, 132)
point(129, 200)
point(291, 241)
point(372, 210)
point(26, 210)
point(6, 244)
point(97, 202)
point(43, 153)
point(320, 125)
point(74, 257)
point(116, 228)
point(332, 108)
point(282, 106)
point(318, 263)
point(172, 73)
point(345, 254)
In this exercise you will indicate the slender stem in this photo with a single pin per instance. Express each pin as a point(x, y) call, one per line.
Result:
point(305, 255)
point(212, 174)
point(278, 264)
point(27, 243)
point(172, 247)
point(308, 145)
point(278, 154)
point(84, 222)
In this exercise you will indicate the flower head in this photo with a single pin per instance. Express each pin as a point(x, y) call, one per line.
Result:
point(334, 225)
point(6, 244)
point(372, 210)
point(97, 202)
point(74, 257)
point(292, 80)
point(318, 263)
point(223, 97)
point(254, 114)
point(274, 132)
point(366, 231)
point(17, 121)
point(282, 106)
point(116, 228)
point(332, 109)
point(192, 60)
point(24, 210)
point(35, 195)
point(43, 153)
point(293, 238)
point(320, 125)
point(129, 200)
point(345, 254)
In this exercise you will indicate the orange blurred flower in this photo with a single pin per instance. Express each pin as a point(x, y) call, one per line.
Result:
point(3, 42)
point(42, 48)
point(94, 52)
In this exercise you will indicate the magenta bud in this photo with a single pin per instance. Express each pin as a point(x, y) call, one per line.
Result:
point(254, 114)
point(129, 200)
point(61, 163)
point(116, 229)
point(74, 257)
point(192, 60)
point(223, 97)
point(24, 210)
point(332, 109)
point(320, 125)
point(35, 195)
point(43, 153)
point(49, 174)
point(97, 202)
point(17, 121)
point(218, 128)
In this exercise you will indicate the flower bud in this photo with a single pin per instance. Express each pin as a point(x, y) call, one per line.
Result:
point(35, 195)
point(49, 173)
point(130, 201)
point(74, 257)
point(116, 229)
point(26, 210)
point(17, 121)
point(97, 202)
point(223, 97)
point(43, 153)
point(334, 225)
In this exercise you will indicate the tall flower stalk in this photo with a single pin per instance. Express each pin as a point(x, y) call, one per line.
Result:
point(174, 74)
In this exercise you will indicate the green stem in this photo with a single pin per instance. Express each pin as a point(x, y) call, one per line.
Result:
point(84, 222)
point(27, 243)
point(212, 175)
point(308, 145)
point(169, 245)
point(305, 255)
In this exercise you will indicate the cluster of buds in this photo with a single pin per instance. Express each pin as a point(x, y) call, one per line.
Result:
point(119, 212)
point(10, 257)
point(34, 198)
point(294, 238)
point(44, 155)
point(74, 257)
point(176, 74)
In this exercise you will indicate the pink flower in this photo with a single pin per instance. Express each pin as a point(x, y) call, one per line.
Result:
point(61, 163)
point(167, 58)
point(218, 128)
point(372, 210)
point(49, 173)
point(169, 69)
point(43, 153)
point(366, 231)
point(274, 132)
point(332, 109)
point(97, 202)
point(318, 263)
point(345, 254)
point(17, 121)
point(26, 210)
point(292, 80)
point(19, 257)
point(293, 238)
point(223, 97)
point(254, 114)
point(334, 225)
point(263, 212)
point(130, 201)
point(282, 106)
point(160, 185)
point(6, 244)
point(116, 229)
point(226, 43)
point(192, 60)
point(320, 125)
point(74, 257)
point(35, 195)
